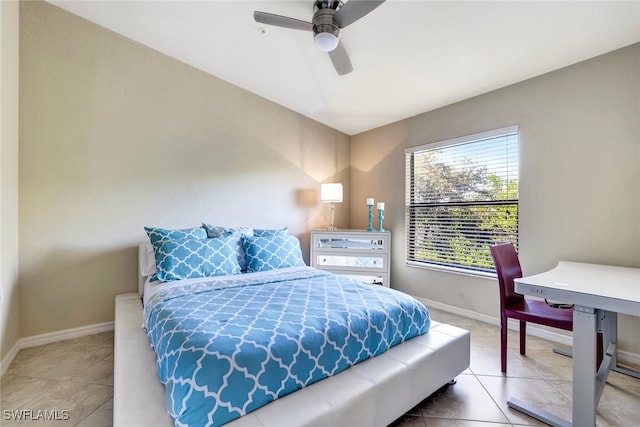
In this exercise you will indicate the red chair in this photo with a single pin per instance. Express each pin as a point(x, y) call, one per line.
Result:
point(515, 306)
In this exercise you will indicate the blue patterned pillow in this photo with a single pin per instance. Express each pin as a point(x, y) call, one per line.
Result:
point(157, 234)
point(272, 252)
point(263, 233)
point(236, 233)
point(178, 259)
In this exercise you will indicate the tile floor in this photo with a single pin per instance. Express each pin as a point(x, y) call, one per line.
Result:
point(75, 378)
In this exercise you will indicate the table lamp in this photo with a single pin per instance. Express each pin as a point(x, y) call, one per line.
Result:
point(331, 193)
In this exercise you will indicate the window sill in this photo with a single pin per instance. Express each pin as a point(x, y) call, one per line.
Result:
point(453, 270)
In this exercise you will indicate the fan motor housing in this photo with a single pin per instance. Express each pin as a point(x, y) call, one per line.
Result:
point(323, 17)
point(326, 4)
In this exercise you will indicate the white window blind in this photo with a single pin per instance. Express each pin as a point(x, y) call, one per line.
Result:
point(461, 197)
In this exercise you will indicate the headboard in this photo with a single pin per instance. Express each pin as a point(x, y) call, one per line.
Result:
point(146, 264)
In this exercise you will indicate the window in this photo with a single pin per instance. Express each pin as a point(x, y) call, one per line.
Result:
point(461, 197)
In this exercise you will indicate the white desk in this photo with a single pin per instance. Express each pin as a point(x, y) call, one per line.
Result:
point(599, 293)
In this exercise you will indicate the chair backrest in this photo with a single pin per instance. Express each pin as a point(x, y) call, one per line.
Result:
point(505, 259)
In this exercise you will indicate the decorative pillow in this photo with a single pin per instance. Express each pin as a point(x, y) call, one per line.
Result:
point(178, 259)
point(262, 233)
point(272, 252)
point(236, 233)
point(157, 234)
point(214, 231)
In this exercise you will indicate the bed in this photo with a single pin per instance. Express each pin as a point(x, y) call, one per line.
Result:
point(373, 378)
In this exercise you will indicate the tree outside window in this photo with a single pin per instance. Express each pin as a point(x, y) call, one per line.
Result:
point(462, 196)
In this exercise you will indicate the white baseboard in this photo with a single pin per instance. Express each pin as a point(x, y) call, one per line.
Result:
point(4, 365)
point(52, 337)
point(559, 338)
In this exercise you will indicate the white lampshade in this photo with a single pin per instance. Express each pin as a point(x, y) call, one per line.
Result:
point(331, 192)
point(326, 42)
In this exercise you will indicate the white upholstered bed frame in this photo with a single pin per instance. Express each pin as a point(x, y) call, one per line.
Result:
point(373, 393)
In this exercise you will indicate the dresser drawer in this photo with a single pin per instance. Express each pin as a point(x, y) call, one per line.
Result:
point(354, 243)
point(358, 261)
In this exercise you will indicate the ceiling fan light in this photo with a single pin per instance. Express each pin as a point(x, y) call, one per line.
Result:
point(326, 42)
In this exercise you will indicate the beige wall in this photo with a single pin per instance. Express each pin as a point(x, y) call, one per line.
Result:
point(9, 305)
point(115, 136)
point(579, 174)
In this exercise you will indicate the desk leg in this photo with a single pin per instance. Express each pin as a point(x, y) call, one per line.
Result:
point(610, 331)
point(584, 359)
point(587, 385)
point(626, 371)
point(608, 326)
point(538, 414)
point(610, 336)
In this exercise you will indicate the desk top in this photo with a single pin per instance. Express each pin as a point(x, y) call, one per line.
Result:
point(593, 285)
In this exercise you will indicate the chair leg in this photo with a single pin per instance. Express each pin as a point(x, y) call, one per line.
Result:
point(503, 344)
point(599, 350)
point(523, 337)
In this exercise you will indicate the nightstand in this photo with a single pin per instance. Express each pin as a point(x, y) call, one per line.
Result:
point(360, 254)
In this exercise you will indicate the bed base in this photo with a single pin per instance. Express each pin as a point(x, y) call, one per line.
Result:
point(374, 393)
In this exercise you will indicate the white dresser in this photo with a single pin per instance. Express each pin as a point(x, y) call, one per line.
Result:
point(360, 254)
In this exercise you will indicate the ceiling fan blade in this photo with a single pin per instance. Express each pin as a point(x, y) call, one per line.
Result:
point(341, 60)
point(281, 21)
point(354, 10)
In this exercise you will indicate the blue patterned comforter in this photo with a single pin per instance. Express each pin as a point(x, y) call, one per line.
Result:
point(227, 346)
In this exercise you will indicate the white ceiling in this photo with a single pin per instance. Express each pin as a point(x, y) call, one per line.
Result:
point(408, 56)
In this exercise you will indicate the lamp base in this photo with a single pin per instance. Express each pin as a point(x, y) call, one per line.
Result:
point(332, 213)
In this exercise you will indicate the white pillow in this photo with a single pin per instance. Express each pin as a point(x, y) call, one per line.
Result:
point(146, 259)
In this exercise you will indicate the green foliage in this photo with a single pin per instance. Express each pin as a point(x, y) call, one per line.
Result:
point(456, 213)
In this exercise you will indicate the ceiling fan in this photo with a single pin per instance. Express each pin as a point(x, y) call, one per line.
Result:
point(329, 17)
